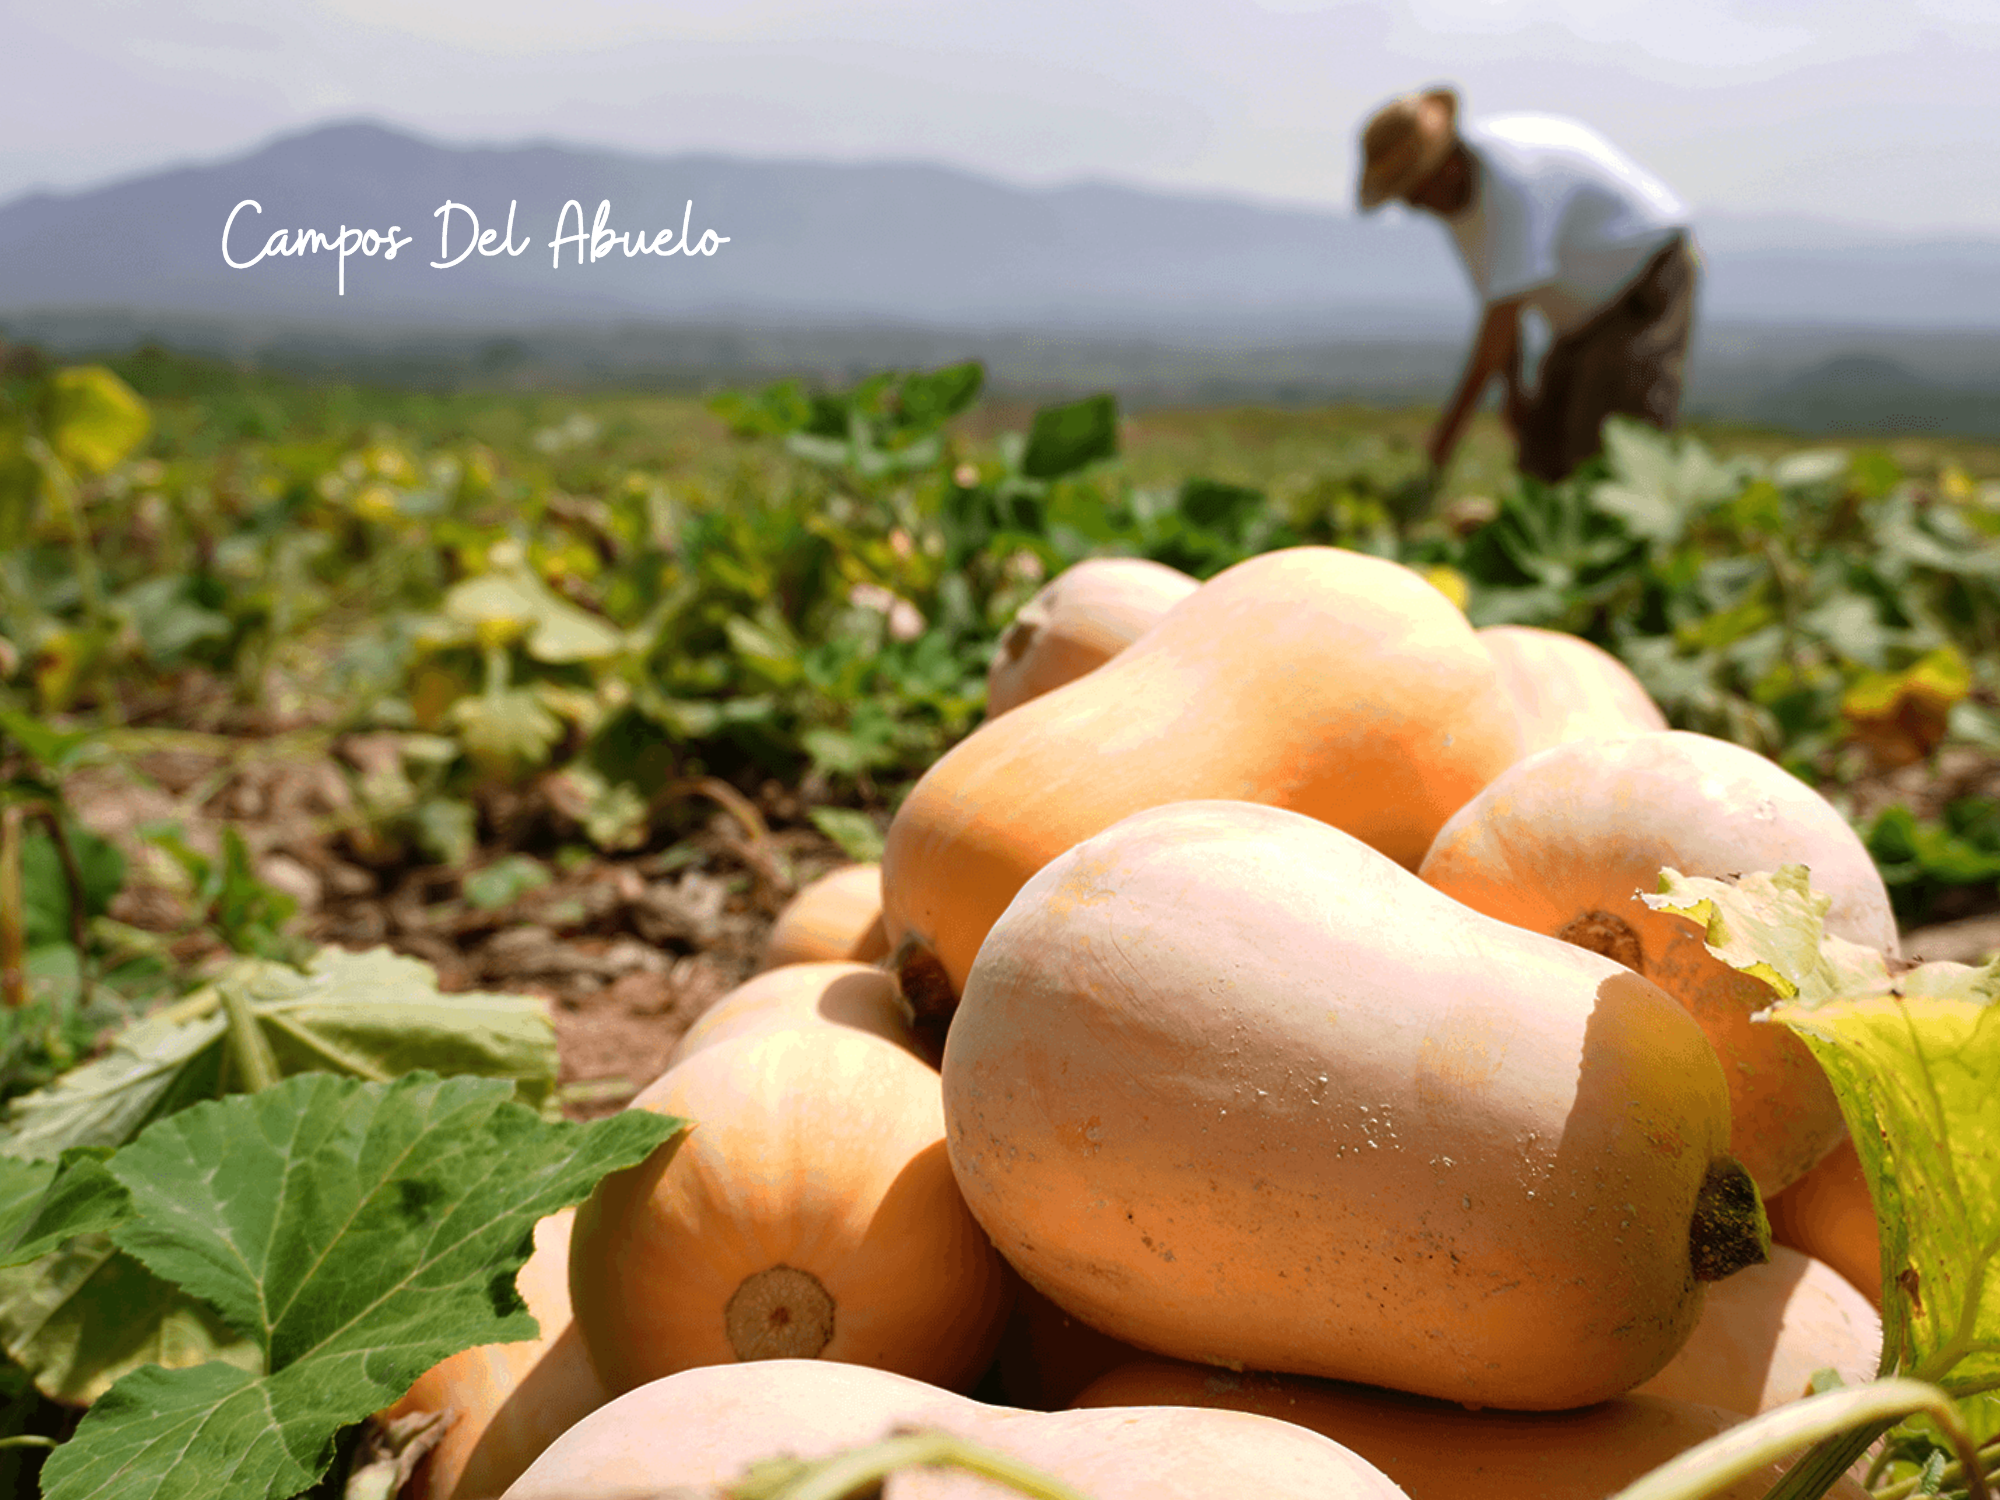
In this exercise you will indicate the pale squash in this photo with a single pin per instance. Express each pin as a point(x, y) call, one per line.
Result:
point(1339, 685)
point(1077, 622)
point(1563, 842)
point(507, 1402)
point(1766, 1330)
point(1829, 1215)
point(836, 917)
point(1436, 1450)
point(696, 1432)
point(1566, 688)
point(1229, 1085)
point(811, 1211)
point(853, 995)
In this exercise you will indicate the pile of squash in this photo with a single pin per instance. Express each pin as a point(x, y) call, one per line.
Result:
point(1250, 1071)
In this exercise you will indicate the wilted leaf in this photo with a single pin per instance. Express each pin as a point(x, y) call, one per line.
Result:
point(358, 1233)
point(372, 1014)
point(93, 418)
point(1914, 1059)
point(1902, 716)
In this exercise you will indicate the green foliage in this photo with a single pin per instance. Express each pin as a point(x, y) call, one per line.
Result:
point(1921, 860)
point(353, 1233)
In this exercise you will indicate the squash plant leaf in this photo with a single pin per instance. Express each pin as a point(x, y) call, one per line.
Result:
point(357, 1233)
point(43, 1203)
point(1914, 1058)
point(368, 1015)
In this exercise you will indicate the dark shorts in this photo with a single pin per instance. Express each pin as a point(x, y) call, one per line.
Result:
point(1630, 358)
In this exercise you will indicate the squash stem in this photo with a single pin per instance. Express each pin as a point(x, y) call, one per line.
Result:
point(859, 1471)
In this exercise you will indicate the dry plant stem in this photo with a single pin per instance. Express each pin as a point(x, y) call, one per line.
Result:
point(758, 848)
point(860, 1471)
point(13, 919)
point(1839, 1424)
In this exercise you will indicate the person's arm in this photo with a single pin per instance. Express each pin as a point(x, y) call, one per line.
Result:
point(1495, 351)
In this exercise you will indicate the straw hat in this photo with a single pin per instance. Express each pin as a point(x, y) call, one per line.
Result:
point(1405, 141)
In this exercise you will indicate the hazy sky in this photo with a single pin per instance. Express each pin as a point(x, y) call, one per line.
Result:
point(1883, 113)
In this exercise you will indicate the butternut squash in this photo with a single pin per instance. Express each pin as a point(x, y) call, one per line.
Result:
point(1829, 1215)
point(1563, 842)
point(1339, 685)
point(810, 1212)
point(1566, 688)
point(853, 995)
point(1230, 1085)
point(507, 1402)
point(1766, 1330)
point(1078, 621)
point(693, 1433)
point(1439, 1451)
point(836, 917)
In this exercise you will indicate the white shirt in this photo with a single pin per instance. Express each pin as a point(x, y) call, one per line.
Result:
point(1560, 217)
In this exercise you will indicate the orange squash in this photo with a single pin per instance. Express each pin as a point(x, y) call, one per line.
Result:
point(1766, 1330)
point(1563, 842)
point(1336, 684)
point(811, 1211)
point(694, 1433)
point(507, 1402)
point(1436, 1450)
point(853, 995)
point(838, 916)
point(1566, 688)
point(1077, 622)
point(1229, 1085)
point(1829, 1215)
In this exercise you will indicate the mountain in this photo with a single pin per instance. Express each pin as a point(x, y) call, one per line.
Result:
point(820, 243)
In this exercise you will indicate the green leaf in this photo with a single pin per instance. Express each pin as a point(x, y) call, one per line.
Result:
point(372, 1014)
point(1063, 439)
point(87, 1314)
point(506, 729)
point(93, 418)
point(1659, 481)
point(504, 880)
point(1914, 1058)
point(859, 839)
point(556, 630)
point(358, 1233)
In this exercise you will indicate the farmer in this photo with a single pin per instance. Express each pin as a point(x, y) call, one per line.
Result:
point(1547, 215)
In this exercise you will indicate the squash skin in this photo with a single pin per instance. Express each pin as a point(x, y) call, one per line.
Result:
point(512, 1400)
point(1766, 1330)
point(1439, 1451)
point(1336, 684)
point(1579, 829)
point(1828, 1214)
point(695, 1432)
point(837, 917)
point(1231, 1086)
point(852, 995)
point(1077, 622)
point(1566, 688)
point(816, 1153)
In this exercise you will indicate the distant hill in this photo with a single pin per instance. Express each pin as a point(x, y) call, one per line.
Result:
point(825, 243)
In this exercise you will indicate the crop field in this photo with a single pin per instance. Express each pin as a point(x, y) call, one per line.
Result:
point(414, 770)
